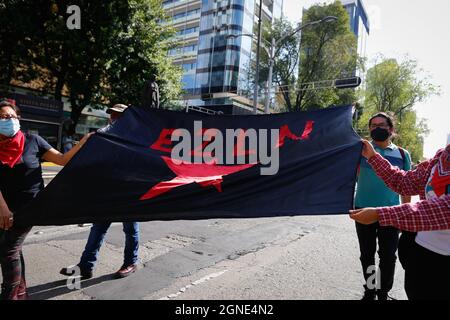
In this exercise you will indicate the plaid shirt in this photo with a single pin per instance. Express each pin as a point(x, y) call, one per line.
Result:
point(426, 215)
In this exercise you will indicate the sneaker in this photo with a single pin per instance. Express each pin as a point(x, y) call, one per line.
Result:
point(125, 271)
point(69, 271)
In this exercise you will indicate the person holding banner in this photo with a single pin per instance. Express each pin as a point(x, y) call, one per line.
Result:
point(372, 192)
point(98, 232)
point(424, 248)
point(20, 181)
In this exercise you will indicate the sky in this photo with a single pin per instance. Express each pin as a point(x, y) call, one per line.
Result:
point(419, 29)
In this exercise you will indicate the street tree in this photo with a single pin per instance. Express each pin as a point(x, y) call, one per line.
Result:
point(396, 88)
point(327, 51)
point(119, 45)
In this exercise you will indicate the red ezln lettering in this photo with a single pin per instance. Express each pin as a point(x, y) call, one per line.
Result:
point(285, 132)
point(163, 141)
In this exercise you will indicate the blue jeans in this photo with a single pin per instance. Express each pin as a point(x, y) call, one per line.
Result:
point(95, 241)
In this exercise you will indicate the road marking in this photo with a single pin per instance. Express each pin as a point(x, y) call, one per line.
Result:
point(194, 283)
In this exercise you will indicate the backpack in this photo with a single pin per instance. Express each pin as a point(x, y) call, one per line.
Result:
point(402, 153)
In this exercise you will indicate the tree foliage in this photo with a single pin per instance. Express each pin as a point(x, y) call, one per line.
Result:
point(327, 51)
point(395, 88)
point(119, 46)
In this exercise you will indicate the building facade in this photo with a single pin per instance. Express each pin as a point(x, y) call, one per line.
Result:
point(216, 66)
point(359, 23)
point(46, 117)
point(39, 115)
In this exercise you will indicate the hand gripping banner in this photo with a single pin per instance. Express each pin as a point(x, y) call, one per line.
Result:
point(166, 165)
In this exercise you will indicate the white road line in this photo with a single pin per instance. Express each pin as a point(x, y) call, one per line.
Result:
point(194, 283)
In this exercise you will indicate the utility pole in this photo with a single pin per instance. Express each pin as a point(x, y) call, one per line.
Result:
point(258, 46)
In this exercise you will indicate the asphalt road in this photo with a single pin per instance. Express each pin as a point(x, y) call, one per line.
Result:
point(270, 258)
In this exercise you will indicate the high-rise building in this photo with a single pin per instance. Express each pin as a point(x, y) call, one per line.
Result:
point(215, 66)
point(359, 23)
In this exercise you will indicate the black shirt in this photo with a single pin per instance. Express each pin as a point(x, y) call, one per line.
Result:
point(20, 184)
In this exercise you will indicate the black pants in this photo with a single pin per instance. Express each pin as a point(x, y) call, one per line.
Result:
point(12, 262)
point(388, 244)
point(427, 274)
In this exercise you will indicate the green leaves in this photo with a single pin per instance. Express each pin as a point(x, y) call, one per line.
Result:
point(327, 52)
point(396, 87)
point(108, 60)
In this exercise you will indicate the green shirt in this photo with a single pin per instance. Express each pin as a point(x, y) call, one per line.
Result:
point(371, 190)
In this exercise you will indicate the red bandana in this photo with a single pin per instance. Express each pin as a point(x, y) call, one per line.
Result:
point(11, 149)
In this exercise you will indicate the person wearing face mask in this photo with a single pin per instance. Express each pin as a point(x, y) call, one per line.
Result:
point(98, 232)
point(372, 192)
point(20, 181)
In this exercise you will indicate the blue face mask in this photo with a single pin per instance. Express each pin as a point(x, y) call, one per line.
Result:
point(9, 127)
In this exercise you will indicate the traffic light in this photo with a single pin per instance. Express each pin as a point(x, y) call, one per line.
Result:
point(347, 83)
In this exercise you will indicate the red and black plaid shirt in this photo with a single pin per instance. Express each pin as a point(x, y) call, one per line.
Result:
point(426, 215)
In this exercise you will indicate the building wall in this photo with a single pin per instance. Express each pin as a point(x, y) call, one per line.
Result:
point(359, 23)
point(212, 63)
point(46, 117)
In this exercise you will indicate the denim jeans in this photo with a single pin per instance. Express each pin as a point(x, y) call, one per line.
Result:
point(388, 238)
point(95, 241)
point(12, 262)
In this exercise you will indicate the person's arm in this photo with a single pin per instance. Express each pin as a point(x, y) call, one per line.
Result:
point(6, 216)
point(58, 158)
point(426, 215)
point(406, 183)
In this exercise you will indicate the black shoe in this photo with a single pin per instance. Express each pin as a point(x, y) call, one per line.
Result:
point(69, 271)
point(384, 296)
point(369, 295)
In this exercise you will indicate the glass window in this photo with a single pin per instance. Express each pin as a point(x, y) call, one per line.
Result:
point(188, 81)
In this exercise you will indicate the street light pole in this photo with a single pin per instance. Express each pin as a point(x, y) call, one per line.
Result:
point(272, 52)
point(258, 45)
point(269, 79)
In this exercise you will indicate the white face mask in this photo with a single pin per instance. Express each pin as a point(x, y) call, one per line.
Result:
point(9, 127)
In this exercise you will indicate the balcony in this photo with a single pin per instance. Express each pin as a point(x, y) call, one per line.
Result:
point(186, 37)
point(179, 3)
point(186, 55)
point(185, 19)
